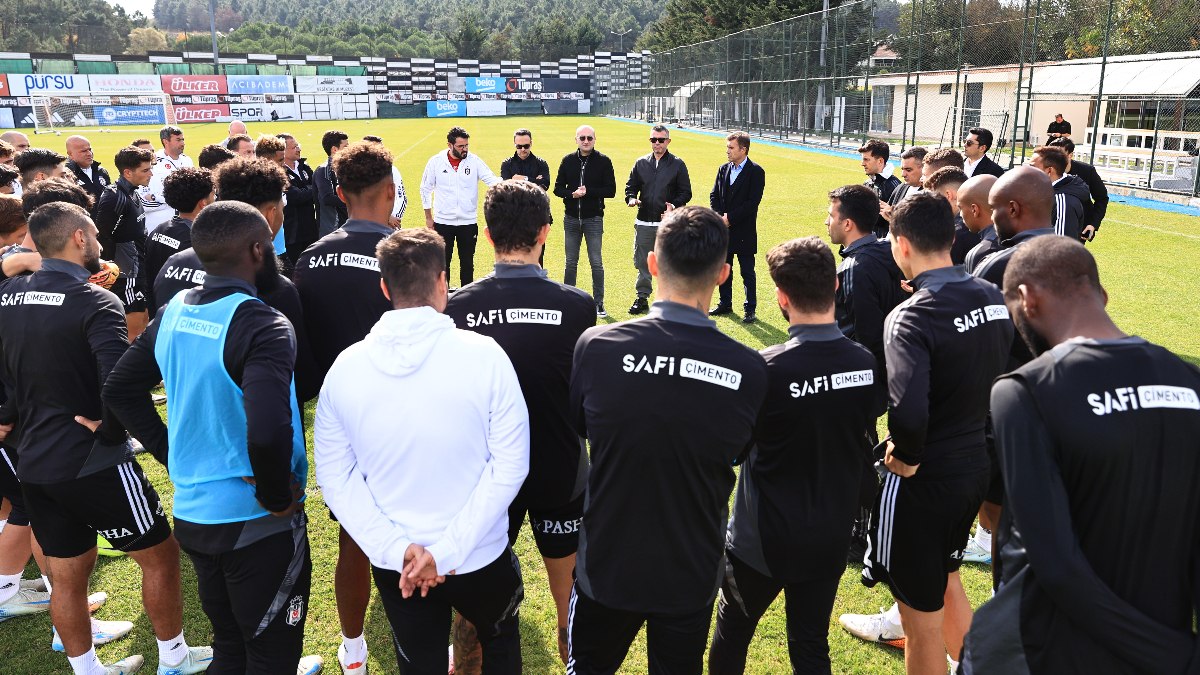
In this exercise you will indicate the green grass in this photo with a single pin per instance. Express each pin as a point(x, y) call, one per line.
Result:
point(1147, 263)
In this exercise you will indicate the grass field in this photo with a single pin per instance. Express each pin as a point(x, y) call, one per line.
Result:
point(1148, 263)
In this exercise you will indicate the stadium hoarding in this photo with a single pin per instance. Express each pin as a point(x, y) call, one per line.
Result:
point(261, 112)
point(516, 85)
point(195, 84)
point(124, 84)
point(259, 84)
point(446, 108)
point(192, 113)
point(113, 115)
point(47, 85)
point(486, 108)
point(4, 85)
point(332, 84)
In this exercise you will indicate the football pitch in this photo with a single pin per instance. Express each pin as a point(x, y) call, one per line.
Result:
point(1149, 264)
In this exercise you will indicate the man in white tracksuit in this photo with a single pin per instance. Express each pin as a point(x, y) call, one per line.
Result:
point(424, 488)
point(454, 176)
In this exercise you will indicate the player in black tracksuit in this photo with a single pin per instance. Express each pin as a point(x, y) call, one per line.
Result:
point(669, 405)
point(537, 321)
point(1098, 438)
point(797, 495)
point(60, 337)
point(944, 347)
point(338, 280)
point(187, 190)
point(231, 403)
point(122, 225)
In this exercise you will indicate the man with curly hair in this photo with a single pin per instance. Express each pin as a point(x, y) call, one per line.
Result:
point(186, 190)
point(270, 148)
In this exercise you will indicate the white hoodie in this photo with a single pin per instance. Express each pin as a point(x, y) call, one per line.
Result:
point(422, 436)
point(453, 194)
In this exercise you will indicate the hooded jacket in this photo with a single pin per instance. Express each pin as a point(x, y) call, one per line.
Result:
point(440, 470)
point(868, 288)
point(1072, 206)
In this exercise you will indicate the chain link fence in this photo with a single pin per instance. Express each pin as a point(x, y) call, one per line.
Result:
point(1124, 73)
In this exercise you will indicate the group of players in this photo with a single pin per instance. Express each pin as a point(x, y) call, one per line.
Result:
point(445, 419)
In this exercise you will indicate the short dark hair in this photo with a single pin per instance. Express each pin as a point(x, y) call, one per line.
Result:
point(8, 174)
point(362, 165)
point(224, 229)
point(12, 217)
point(946, 176)
point(984, 135)
point(523, 132)
point(410, 262)
point(214, 154)
point(1063, 142)
point(1058, 264)
point(515, 212)
point(372, 138)
point(331, 139)
point(285, 137)
point(806, 273)
point(915, 152)
point(235, 141)
point(456, 133)
point(268, 145)
point(34, 160)
point(926, 220)
point(944, 157)
point(186, 186)
point(742, 138)
point(877, 148)
point(54, 190)
point(132, 157)
point(52, 225)
point(859, 203)
point(1051, 156)
point(6, 148)
point(253, 181)
point(691, 244)
point(169, 131)
point(662, 129)
point(141, 141)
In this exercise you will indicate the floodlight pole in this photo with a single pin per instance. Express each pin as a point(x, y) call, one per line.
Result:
point(621, 35)
point(212, 26)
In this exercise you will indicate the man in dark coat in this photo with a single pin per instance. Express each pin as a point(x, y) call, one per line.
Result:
point(299, 214)
point(736, 195)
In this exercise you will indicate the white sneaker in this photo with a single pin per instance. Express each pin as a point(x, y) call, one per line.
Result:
point(198, 660)
point(103, 632)
point(953, 665)
point(356, 668)
point(126, 666)
point(38, 584)
point(873, 628)
point(27, 601)
point(96, 601)
point(975, 553)
point(310, 665)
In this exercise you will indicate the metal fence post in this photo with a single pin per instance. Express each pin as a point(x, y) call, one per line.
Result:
point(1100, 90)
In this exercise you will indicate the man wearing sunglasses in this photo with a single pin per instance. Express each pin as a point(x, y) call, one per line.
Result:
point(975, 148)
point(526, 166)
point(657, 184)
point(585, 180)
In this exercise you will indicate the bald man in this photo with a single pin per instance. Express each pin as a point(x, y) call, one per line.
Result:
point(1097, 438)
point(85, 170)
point(18, 140)
point(584, 180)
point(976, 214)
point(236, 128)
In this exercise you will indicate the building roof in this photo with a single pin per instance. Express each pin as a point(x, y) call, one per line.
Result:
point(1173, 74)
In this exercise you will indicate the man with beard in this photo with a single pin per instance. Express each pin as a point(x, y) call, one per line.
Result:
point(166, 160)
point(259, 183)
point(235, 446)
point(82, 165)
point(450, 197)
point(60, 337)
point(1098, 442)
point(875, 154)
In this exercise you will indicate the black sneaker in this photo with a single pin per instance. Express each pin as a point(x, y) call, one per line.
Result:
point(640, 306)
point(720, 310)
point(750, 317)
point(600, 310)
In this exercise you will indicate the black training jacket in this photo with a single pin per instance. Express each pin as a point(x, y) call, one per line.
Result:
point(1072, 206)
point(868, 288)
point(657, 184)
point(1099, 192)
point(94, 184)
point(166, 240)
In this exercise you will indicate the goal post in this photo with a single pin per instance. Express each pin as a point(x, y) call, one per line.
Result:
point(60, 113)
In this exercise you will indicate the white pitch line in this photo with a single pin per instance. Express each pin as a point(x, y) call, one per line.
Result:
point(413, 146)
point(1155, 229)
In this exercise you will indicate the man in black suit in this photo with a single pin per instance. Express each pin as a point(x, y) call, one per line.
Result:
point(1085, 172)
point(736, 195)
point(976, 147)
